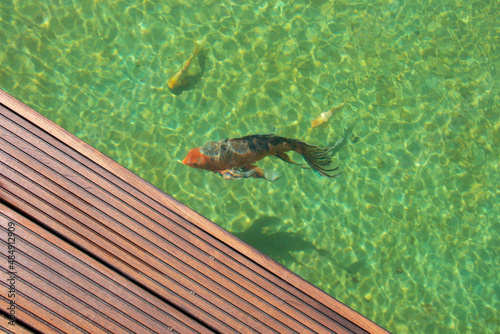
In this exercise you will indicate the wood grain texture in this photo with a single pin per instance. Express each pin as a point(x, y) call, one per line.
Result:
point(7, 327)
point(55, 279)
point(116, 227)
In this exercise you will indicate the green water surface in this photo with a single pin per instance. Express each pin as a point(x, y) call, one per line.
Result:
point(408, 236)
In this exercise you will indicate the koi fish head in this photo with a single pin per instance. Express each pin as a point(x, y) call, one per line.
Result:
point(196, 159)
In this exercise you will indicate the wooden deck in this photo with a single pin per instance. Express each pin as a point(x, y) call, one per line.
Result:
point(97, 250)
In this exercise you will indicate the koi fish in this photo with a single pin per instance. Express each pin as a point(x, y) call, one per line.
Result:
point(233, 158)
point(181, 78)
point(325, 117)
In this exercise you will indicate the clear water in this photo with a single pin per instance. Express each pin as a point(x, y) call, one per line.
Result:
point(409, 236)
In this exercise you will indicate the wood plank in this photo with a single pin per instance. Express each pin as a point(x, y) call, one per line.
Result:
point(150, 239)
point(66, 276)
point(9, 327)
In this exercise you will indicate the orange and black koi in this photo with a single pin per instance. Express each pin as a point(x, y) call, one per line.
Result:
point(234, 158)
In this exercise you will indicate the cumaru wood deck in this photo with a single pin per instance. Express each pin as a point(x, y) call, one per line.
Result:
point(99, 250)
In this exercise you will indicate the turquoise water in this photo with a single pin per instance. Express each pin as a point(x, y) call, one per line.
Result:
point(408, 236)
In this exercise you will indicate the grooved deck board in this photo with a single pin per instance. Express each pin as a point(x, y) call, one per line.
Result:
point(98, 249)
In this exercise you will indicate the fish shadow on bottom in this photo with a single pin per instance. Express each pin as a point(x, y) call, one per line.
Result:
point(281, 245)
point(277, 245)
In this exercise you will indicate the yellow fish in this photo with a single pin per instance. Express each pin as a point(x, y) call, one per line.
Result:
point(182, 77)
point(325, 117)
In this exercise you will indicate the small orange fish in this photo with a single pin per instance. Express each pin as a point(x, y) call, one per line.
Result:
point(181, 78)
point(325, 117)
point(234, 158)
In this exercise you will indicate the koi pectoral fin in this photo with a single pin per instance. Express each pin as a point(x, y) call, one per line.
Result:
point(285, 157)
point(247, 172)
point(233, 174)
point(260, 173)
point(229, 174)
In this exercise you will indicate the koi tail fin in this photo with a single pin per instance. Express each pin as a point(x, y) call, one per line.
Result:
point(319, 158)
